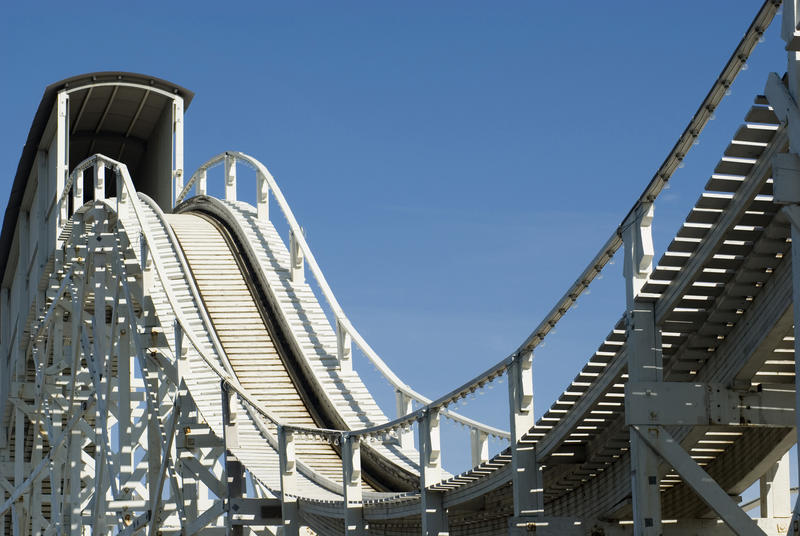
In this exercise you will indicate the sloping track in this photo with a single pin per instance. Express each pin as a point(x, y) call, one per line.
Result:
point(245, 382)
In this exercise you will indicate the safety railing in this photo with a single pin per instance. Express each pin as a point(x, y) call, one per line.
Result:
point(518, 364)
point(301, 257)
point(346, 332)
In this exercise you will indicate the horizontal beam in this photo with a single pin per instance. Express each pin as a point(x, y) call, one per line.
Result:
point(256, 511)
point(684, 403)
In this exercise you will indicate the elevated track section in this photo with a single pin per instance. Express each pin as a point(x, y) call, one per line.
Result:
point(172, 364)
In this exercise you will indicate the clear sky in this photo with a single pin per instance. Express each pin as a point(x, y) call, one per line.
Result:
point(455, 164)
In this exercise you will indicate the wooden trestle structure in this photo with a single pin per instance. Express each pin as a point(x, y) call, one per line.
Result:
point(171, 364)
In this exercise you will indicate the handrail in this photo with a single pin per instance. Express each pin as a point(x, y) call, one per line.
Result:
point(654, 188)
point(127, 184)
point(676, 155)
point(339, 315)
point(228, 378)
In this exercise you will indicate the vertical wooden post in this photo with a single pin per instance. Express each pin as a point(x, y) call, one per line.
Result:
point(72, 504)
point(403, 405)
point(230, 178)
point(152, 388)
point(433, 513)
point(775, 491)
point(286, 457)
point(61, 172)
point(177, 144)
point(351, 482)
point(99, 181)
point(123, 200)
point(479, 446)
point(125, 461)
point(41, 206)
point(344, 348)
point(5, 347)
point(77, 191)
point(75, 465)
point(296, 270)
point(101, 339)
point(201, 184)
point(234, 470)
point(528, 489)
point(644, 364)
point(262, 196)
point(146, 265)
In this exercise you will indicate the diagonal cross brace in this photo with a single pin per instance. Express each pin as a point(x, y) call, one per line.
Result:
point(701, 482)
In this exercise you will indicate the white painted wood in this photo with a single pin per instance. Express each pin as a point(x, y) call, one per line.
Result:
point(177, 146)
point(526, 472)
point(774, 491)
point(479, 447)
point(644, 364)
point(351, 478)
point(99, 181)
point(705, 486)
point(230, 177)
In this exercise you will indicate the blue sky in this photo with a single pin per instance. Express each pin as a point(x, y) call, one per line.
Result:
point(455, 164)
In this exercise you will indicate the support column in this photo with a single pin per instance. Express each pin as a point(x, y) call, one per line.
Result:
point(125, 461)
point(287, 462)
point(201, 185)
point(344, 348)
point(5, 347)
point(644, 364)
point(99, 181)
point(177, 146)
point(351, 473)
point(41, 204)
point(774, 485)
point(230, 178)
point(234, 470)
point(479, 446)
point(403, 406)
point(77, 192)
point(262, 196)
point(433, 513)
point(786, 177)
point(61, 171)
point(526, 473)
point(296, 270)
point(97, 364)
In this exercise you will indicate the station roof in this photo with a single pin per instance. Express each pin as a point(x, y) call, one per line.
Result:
point(110, 112)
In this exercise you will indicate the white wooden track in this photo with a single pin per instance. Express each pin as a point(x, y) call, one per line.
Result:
point(173, 364)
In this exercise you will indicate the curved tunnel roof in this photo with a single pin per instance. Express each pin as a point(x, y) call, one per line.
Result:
point(111, 112)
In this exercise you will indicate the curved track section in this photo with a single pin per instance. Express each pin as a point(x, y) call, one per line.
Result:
point(177, 374)
point(257, 448)
point(262, 357)
point(344, 401)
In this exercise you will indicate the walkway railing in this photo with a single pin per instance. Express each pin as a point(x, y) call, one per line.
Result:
point(345, 331)
point(302, 257)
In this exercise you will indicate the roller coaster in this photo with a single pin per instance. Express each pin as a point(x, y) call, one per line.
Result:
point(176, 363)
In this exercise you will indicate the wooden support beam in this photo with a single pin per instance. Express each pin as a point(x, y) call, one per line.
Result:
point(230, 178)
point(706, 487)
point(433, 512)
point(288, 468)
point(351, 479)
point(526, 472)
